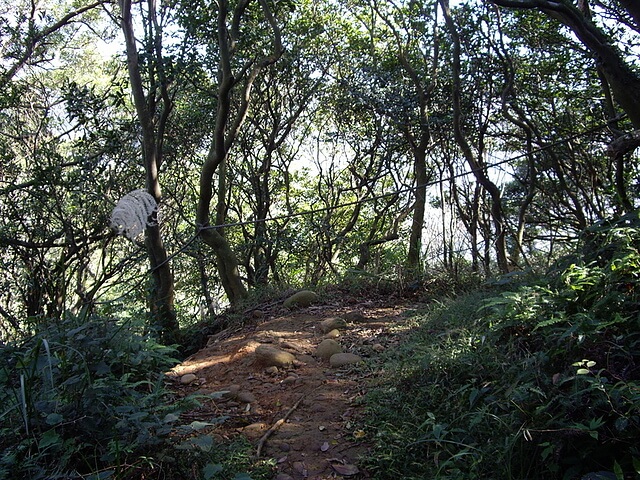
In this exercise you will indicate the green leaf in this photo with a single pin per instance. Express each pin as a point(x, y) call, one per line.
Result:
point(49, 438)
point(54, 419)
point(198, 425)
point(210, 469)
point(102, 368)
point(170, 417)
point(203, 442)
point(617, 469)
point(218, 395)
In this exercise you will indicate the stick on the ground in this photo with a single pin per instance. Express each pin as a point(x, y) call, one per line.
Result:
point(276, 426)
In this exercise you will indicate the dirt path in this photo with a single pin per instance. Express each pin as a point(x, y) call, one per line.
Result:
point(305, 415)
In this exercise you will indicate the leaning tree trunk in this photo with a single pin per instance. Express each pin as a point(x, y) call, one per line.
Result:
point(497, 214)
point(229, 120)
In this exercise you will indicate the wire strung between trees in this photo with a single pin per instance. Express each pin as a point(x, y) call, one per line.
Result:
point(315, 211)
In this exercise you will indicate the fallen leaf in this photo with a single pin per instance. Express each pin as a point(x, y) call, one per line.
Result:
point(345, 470)
point(358, 434)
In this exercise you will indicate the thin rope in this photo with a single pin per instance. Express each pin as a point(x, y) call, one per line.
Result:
point(200, 228)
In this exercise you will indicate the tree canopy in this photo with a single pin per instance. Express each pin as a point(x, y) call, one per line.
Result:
point(298, 143)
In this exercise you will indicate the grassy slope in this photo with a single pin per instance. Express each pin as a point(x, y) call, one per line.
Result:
point(493, 385)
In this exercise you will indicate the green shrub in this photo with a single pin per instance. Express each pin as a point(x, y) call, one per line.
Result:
point(80, 396)
point(542, 381)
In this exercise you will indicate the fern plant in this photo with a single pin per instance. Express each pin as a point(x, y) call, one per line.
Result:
point(133, 214)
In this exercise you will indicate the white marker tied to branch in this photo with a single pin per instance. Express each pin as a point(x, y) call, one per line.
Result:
point(133, 214)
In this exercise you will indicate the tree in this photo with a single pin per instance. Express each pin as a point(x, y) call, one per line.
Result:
point(29, 36)
point(399, 80)
point(153, 109)
point(57, 138)
point(284, 101)
point(619, 76)
point(236, 75)
point(474, 161)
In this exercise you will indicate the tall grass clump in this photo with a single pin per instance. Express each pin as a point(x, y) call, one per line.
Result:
point(541, 380)
point(80, 397)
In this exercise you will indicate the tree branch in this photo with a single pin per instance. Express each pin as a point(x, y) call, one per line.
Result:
point(39, 37)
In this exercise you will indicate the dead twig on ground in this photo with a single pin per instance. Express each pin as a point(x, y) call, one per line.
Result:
point(275, 427)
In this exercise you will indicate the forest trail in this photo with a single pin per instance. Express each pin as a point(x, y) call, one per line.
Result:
point(306, 415)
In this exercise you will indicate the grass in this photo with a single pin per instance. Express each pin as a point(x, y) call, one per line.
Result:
point(477, 391)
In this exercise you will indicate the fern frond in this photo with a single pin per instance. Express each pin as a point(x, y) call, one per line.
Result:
point(131, 215)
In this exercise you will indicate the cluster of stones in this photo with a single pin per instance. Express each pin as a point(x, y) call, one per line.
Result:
point(329, 350)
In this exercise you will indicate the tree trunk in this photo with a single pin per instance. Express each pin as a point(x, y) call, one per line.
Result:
point(476, 166)
point(417, 222)
point(161, 300)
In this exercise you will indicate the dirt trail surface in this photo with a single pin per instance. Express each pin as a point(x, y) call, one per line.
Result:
point(275, 388)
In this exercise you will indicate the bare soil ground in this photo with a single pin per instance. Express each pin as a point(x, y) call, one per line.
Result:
point(305, 416)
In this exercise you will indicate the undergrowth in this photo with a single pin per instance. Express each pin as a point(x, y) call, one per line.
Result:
point(540, 380)
point(87, 399)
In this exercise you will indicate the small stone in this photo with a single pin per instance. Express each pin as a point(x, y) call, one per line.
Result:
point(334, 323)
point(285, 447)
point(341, 359)
point(303, 298)
point(283, 476)
point(307, 359)
point(274, 357)
point(289, 380)
point(187, 378)
point(300, 468)
point(272, 370)
point(246, 397)
point(255, 427)
point(335, 333)
point(327, 348)
point(377, 347)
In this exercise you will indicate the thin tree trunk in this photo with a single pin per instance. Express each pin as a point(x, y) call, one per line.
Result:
point(162, 296)
point(461, 140)
point(417, 222)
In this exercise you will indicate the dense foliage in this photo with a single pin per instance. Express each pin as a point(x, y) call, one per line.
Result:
point(88, 398)
point(540, 381)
